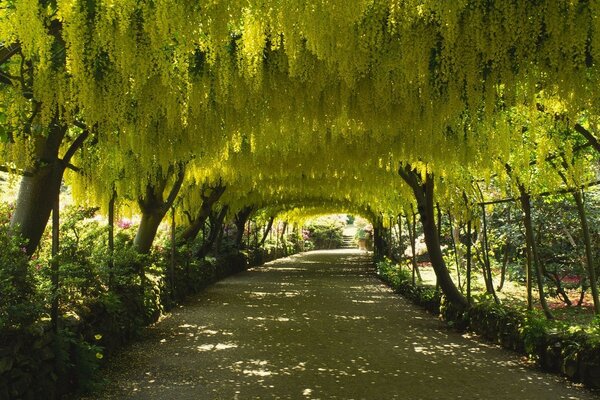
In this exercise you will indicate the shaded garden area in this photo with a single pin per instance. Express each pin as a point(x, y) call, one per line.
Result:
point(318, 325)
point(149, 149)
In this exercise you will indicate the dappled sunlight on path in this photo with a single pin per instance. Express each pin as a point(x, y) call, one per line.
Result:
point(316, 326)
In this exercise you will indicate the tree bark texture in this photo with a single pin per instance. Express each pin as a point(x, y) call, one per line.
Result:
point(208, 201)
point(240, 223)
point(39, 189)
point(424, 195)
point(532, 254)
point(153, 208)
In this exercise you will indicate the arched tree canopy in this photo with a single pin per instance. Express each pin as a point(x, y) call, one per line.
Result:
point(285, 101)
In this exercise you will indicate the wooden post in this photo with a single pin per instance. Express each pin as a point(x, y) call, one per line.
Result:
point(400, 237)
point(453, 235)
point(486, 259)
point(588, 250)
point(54, 263)
point(172, 263)
point(469, 245)
point(111, 239)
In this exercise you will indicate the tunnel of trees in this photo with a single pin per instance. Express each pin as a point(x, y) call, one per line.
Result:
point(471, 124)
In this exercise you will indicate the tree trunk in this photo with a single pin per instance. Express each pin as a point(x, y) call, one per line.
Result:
point(39, 188)
point(532, 255)
point(240, 223)
point(424, 194)
point(282, 238)
point(489, 282)
point(582, 294)
point(504, 264)
point(589, 258)
point(191, 232)
point(378, 240)
point(588, 249)
point(215, 234)
point(147, 230)
point(153, 209)
point(556, 279)
point(267, 231)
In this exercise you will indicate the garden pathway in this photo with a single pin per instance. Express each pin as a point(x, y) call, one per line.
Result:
point(316, 326)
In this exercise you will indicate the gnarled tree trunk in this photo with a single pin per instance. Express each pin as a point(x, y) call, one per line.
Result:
point(240, 223)
point(197, 223)
point(424, 194)
point(153, 208)
point(41, 184)
point(216, 230)
point(379, 243)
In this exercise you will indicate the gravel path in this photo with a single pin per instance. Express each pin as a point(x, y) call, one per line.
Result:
point(316, 326)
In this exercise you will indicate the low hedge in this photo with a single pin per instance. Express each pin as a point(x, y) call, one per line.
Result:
point(36, 362)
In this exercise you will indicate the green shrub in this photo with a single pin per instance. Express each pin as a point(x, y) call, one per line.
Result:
point(325, 232)
point(400, 279)
point(533, 331)
point(19, 305)
point(105, 299)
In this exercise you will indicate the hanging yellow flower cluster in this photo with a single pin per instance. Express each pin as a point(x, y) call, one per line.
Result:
point(290, 99)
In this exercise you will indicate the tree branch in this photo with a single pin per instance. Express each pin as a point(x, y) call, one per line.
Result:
point(593, 141)
point(76, 145)
point(544, 194)
point(588, 135)
point(6, 78)
point(73, 168)
point(176, 186)
point(6, 52)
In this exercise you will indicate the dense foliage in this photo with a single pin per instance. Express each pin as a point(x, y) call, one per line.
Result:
point(326, 232)
point(101, 304)
point(224, 117)
point(438, 86)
